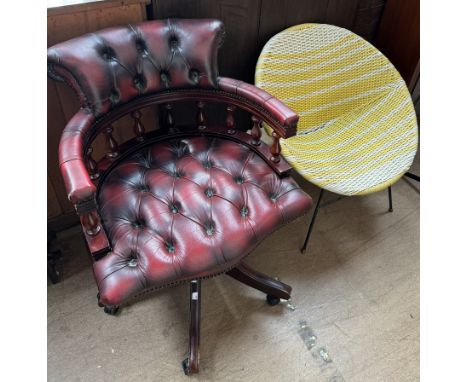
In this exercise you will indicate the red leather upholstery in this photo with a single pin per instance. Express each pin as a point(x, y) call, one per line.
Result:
point(187, 208)
point(117, 64)
point(78, 184)
point(181, 208)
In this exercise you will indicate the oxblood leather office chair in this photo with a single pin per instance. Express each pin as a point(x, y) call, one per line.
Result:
point(181, 203)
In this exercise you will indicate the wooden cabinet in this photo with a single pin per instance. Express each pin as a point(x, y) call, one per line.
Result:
point(63, 23)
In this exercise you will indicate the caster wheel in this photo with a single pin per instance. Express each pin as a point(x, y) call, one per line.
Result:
point(185, 366)
point(272, 300)
point(101, 305)
point(111, 310)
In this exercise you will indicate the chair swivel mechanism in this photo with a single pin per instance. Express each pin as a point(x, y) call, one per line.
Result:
point(177, 203)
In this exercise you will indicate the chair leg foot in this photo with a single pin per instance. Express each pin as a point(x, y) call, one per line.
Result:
point(272, 300)
point(311, 225)
point(190, 364)
point(185, 366)
point(273, 288)
point(413, 176)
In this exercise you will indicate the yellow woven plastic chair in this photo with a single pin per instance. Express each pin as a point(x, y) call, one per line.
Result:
point(357, 132)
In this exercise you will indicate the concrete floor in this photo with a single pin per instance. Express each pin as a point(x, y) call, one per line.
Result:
point(356, 290)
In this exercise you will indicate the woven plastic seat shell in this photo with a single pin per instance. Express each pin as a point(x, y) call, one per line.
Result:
point(357, 131)
point(187, 208)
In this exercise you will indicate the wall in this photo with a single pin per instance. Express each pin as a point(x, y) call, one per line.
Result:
point(398, 37)
point(250, 23)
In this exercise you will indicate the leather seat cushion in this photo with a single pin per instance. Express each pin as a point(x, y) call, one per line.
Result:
point(187, 208)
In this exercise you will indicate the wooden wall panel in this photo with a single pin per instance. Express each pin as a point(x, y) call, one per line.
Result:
point(277, 15)
point(249, 24)
point(53, 206)
point(240, 17)
point(342, 13)
point(367, 18)
point(55, 124)
point(398, 36)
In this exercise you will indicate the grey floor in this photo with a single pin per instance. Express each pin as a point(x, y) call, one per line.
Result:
point(354, 313)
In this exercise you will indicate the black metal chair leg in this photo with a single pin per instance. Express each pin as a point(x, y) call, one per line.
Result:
point(412, 176)
point(317, 205)
point(190, 364)
point(390, 201)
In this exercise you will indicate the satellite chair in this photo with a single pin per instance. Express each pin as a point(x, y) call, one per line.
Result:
point(358, 131)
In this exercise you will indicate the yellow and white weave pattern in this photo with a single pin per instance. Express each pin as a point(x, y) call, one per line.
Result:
point(357, 130)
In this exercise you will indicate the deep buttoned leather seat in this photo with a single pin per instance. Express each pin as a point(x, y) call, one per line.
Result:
point(184, 208)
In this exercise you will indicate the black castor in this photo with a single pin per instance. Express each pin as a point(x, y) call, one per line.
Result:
point(185, 366)
point(112, 310)
point(272, 300)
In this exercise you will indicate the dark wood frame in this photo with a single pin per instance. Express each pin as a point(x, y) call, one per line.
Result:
point(274, 289)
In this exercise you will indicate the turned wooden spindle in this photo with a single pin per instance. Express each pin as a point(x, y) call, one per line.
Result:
point(112, 146)
point(256, 132)
point(90, 222)
point(138, 127)
point(169, 118)
point(91, 164)
point(275, 148)
point(230, 122)
point(201, 118)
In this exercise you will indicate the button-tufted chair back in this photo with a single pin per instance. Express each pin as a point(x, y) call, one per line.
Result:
point(117, 64)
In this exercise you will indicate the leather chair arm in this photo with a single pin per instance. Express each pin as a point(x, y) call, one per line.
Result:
point(80, 189)
point(286, 118)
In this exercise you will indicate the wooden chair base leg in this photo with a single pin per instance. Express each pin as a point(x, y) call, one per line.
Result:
point(274, 289)
point(190, 364)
